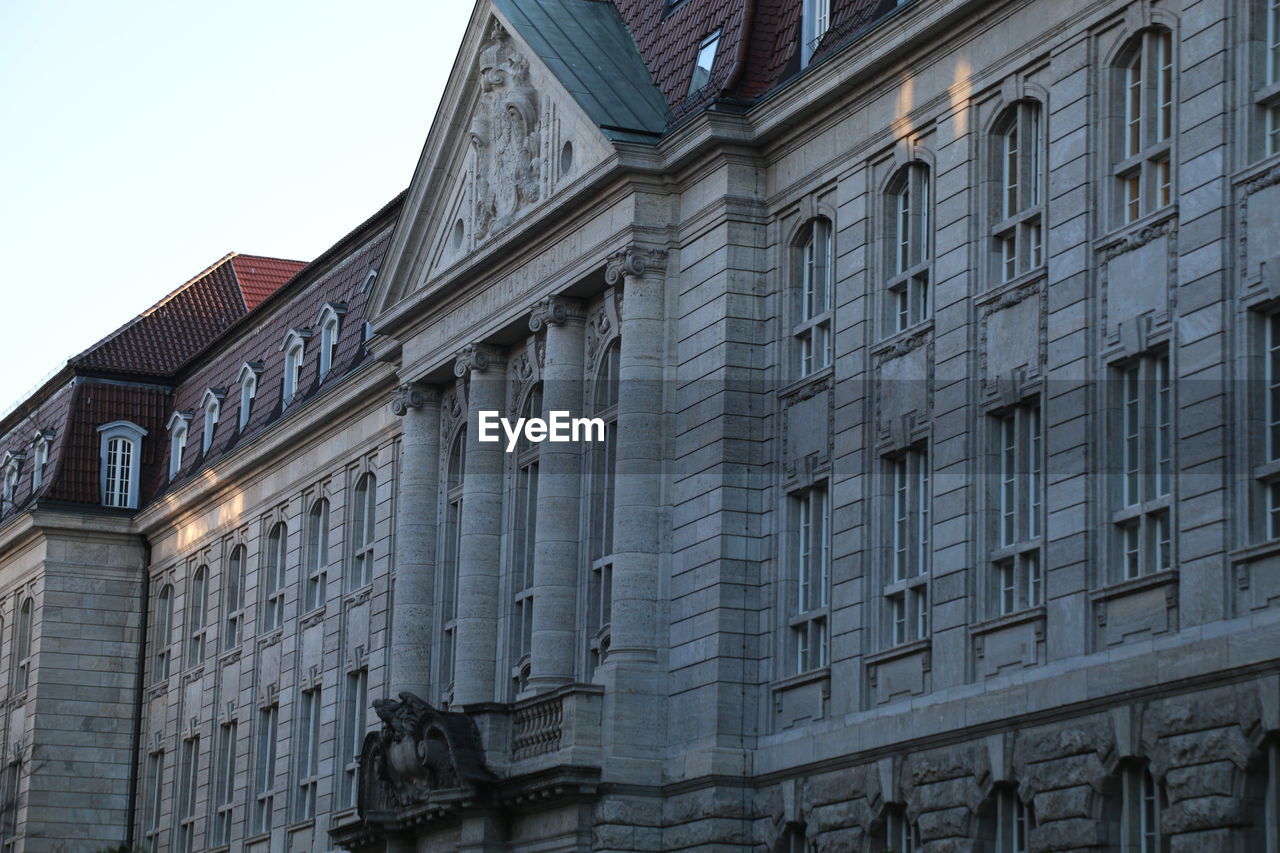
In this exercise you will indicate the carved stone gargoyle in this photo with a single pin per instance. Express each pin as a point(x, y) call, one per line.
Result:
point(418, 752)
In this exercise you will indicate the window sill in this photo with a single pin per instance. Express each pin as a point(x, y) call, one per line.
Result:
point(994, 298)
point(229, 656)
point(906, 649)
point(309, 823)
point(1257, 551)
point(1135, 234)
point(195, 673)
point(344, 817)
point(313, 617)
point(1133, 512)
point(901, 342)
point(1008, 620)
point(800, 679)
point(258, 837)
point(271, 638)
point(808, 385)
point(1123, 588)
point(359, 595)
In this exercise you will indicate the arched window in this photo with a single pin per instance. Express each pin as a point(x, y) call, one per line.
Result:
point(1017, 225)
point(910, 241)
point(233, 599)
point(814, 267)
point(119, 461)
point(11, 474)
point(1133, 801)
point(329, 323)
point(273, 574)
point(363, 514)
point(178, 428)
point(450, 545)
point(1006, 823)
point(524, 525)
point(295, 348)
point(40, 461)
point(1144, 87)
point(211, 406)
point(602, 467)
point(317, 554)
point(22, 647)
point(793, 840)
point(164, 632)
point(248, 391)
point(197, 610)
point(898, 833)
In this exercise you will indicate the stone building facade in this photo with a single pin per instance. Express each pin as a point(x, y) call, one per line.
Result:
point(937, 511)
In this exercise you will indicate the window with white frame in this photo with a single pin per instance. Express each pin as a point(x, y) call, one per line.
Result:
point(1012, 822)
point(602, 464)
point(308, 754)
point(810, 560)
point(233, 599)
point(364, 504)
point(11, 473)
point(295, 350)
point(906, 591)
point(211, 406)
point(1145, 91)
point(703, 63)
point(354, 699)
point(524, 527)
point(1019, 505)
point(910, 241)
point(265, 764)
point(899, 831)
point(163, 633)
point(40, 460)
point(197, 611)
point(154, 802)
point(1143, 520)
point(1140, 807)
point(188, 784)
point(248, 391)
point(22, 655)
point(178, 428)
point(273, 572)
point(1269, 482)
point(815, 296)
point(317, 554)
point(1267, 77)
point(119, 463)
point(450, 547)
point(815, 16)
point(1017, 226)
point(329, 322)
point(224, 782)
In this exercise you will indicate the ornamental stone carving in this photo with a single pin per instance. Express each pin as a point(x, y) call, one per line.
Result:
point(505, 135)
point(420, 751)
point(411, 395)
point(476, 357)
point(555, 311)
point(634, 261)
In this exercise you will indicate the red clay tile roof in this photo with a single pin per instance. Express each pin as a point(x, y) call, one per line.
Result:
point(161, 339)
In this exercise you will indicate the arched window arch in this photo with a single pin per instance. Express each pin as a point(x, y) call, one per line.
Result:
point(602, 470)
point(1144, 88)
point(1132, 804)
point(524, 525)
point(197, 611)
point(164, 632)
point(248, 381)
point(120, 451)
point(40, 448)
point(897, 832)
point(295, 350)
point(910, 244)
point(233, 599)
point(12, 470)
point(814, 270)
point(1006, 822)
point(273, 574)
point(450, 546)
point(178, 429)
point(329, 322)
point(317, 555)
point(364, 502)
point(1017, 160)
point(211, 407)
point(22, 646)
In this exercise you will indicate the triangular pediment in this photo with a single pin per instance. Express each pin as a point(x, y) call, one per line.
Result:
point(532, 107)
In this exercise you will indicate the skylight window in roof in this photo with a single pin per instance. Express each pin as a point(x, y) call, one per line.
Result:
point(706, 60)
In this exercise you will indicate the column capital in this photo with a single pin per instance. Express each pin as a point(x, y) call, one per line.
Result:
point(412, 395)
point(477, 357)
point(634, 261)
point(556, 311)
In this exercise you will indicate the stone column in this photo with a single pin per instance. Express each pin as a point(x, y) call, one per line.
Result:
point(557, 537)
point(638, 489)
point(415, 552)
point(480, 549)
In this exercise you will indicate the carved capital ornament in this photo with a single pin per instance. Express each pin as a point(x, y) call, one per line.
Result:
point(634, 262)
point(476, 357)
point(556, 311)
point(411, 395)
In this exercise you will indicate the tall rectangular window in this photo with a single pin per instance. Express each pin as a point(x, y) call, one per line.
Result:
point(1144, 520)
point(525, 524)
point(451, 547)
point(602, 461)
point(910, 234)
point(1141, 811)
point(1146, 86)
point(906, 590)
point(811, 570)
point(197, 609)
point(355, 697)
point(118, 488)
point(1017, 226)
point(10, 784)
point(233, 599)
point(265, 766)
point(188, 784)
point(317, 555)
point(1271, 371)
point(1268, 86)
point(363, 515)
point(817, 279)
point(815, 21)
point(154, 799)
point(704, 63)
point(224, 782)
point(308, 752)
point(1019, 502)
point(274, 559)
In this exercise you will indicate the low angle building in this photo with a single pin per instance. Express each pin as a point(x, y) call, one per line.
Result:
point(937, 507)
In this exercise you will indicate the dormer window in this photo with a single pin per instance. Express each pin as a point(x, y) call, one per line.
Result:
point(211, 406)
point(248, 390)
point(178, 427)
point(40, 454)
point(12, 470)
point(705, 62)
point(119, 458)
point(329, 322)
point(295, 350)
point(816, 20)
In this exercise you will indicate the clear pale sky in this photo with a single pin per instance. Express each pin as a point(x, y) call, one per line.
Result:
point(141, 140)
